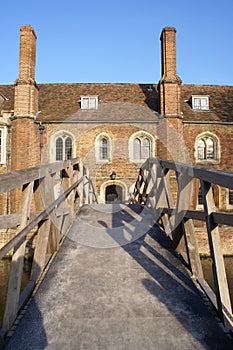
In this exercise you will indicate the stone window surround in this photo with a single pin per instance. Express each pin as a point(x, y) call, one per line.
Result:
point(97, 148)
point(216, 159)
point(3, 145)
point(141, 134)
point(54, 137)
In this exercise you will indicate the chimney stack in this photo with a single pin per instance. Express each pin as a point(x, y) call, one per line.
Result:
point(24, 143)
point(170, 128)
point(169, 84)
point(26, 90)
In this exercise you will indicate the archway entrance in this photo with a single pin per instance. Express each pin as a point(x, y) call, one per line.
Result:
point(113, 194)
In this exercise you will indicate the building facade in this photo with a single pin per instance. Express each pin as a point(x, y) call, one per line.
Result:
point(114, 128)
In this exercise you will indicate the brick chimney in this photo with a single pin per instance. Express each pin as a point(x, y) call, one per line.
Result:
point(170, 128)
point(26, 90)
point(25, 134)
point(169, 84)
point(25, 149)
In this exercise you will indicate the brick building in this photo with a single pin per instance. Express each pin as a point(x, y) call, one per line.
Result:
point(113, 128)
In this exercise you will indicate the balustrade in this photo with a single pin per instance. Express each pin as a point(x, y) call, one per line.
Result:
point(50, 197)
point(175, 209)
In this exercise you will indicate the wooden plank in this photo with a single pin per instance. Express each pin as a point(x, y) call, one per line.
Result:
point(220, 280)
point(218, 217)
point(217, 177)
point(184, 182)
point(164, 199)
point(18, 178)
point(67, 181)
point(15, 279)
point(47, 191)
point(39, 259)
point(79, 175)
point(151, 184)
point(189, 214)
point(13, 220)
point(208, 291)
point(42, 216)
point(223, 218)
point(193, 252)
point(86, 187)
point(9, 221)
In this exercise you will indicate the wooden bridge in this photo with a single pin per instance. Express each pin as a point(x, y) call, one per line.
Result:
point(114, 276)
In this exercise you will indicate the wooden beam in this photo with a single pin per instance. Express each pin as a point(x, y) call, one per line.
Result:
point(220, 279)
point(15, 279)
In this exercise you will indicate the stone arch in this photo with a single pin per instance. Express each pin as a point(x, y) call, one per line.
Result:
point(117, 183)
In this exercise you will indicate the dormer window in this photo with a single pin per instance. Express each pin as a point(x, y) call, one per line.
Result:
point(200, 102)
point(89, 102)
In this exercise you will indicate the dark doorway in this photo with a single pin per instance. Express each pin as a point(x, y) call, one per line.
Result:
point(113, 194)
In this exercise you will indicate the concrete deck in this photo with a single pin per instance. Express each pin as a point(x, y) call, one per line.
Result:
point(117, 284)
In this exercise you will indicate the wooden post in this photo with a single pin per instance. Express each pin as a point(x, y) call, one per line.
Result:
point(40, 253)
point(12, 302)
point(86, 186)
point(192, 249)
point(220, 280)
point(164, 199)
point(151, 185)
point(177, 216)
point(67, 181)
point(80, 188)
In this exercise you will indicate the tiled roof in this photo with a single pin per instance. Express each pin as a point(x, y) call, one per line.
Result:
point(8, 92)
point(123, 102)
point(116, 101)
point(220, 103)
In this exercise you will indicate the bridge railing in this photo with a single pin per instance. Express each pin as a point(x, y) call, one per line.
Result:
point(50, 196)
point(155, 189)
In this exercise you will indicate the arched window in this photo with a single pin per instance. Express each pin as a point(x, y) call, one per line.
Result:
point(137, 149)
point(61, 146)
point(141, 146)
point(68, 148)
point(103, 149)
point(59, 149)
point(207, 147)
point(146, 148)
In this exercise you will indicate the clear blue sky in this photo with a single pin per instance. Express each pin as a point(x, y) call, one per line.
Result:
point(119, 41)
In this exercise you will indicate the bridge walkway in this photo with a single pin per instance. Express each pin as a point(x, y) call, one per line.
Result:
point(116, 283)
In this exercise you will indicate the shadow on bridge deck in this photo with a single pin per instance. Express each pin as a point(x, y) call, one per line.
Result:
point(116, 283)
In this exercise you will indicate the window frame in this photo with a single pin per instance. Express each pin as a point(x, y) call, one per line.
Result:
point(63, 135)
point(2, 145)
point(204, 103)
point(88, 98)
point(98, 148)
point(141, 136)
point(204, 137)
point(228, 197)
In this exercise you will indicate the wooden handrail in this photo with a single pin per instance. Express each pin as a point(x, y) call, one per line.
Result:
point(153, 189)
point(50, 220)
